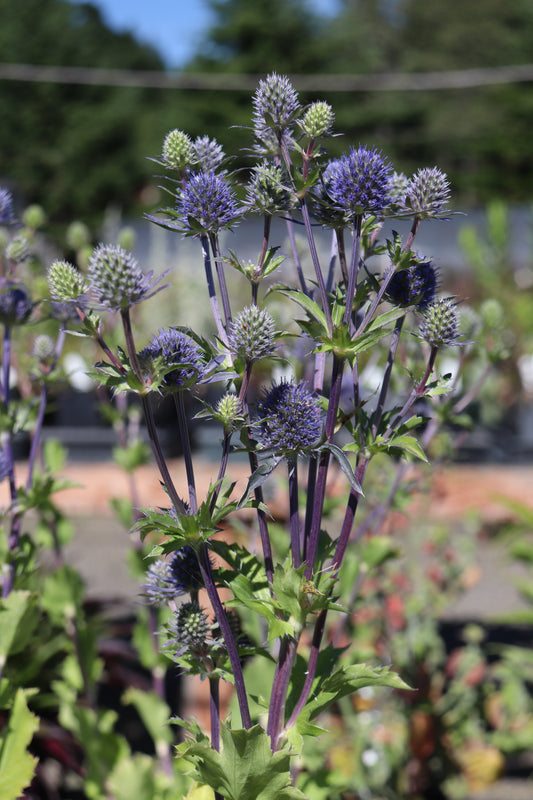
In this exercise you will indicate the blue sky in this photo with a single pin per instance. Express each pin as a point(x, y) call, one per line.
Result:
point(174, 27)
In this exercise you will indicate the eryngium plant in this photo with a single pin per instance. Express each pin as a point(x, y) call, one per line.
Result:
point(314, 418)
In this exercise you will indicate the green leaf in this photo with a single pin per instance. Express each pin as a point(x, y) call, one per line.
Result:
point(348, 680)
point(312, 308)
point(246, 768)
point(17, 622)
point(133, 776)
point(16, 764)
point(62, 594)
point(154, 713)
point(409, 445)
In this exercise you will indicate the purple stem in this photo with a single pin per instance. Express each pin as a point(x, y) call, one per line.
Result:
point(214, 707)
point(213, 238)
point(231, 647)
point(280, 685)
point(296, 256)
point(417, 392)
point(316, 265)
point(320, 493)
point(294, 517)
point(186, 445)
point(378, 413)
point(215, 308)
point(354, 269)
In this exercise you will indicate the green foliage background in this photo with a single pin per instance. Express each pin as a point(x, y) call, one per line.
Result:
point(80, 149)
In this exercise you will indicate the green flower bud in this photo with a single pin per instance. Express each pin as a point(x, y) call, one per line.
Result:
point(191, 626)
point(252, 334)
point(318, 120)
point(34, 217)
point(78, 235)
point(441, 323)
point(66, 282)
point(18, 249)
point(178, 150)
point(229, 410)
point(126, 238)
point(44, 348)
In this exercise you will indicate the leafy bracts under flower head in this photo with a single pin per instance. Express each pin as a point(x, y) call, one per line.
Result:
point(360, 182)
point(65, 282)
point(252, 334)
point(413, 286)
point(441, 324)
point(267, 193)
point(15, 304)
point(208, 154)
point(177, 150)
point(117, 279)
point(428, 193)
point(289, 418)
point(207, 204)
point(176, 349)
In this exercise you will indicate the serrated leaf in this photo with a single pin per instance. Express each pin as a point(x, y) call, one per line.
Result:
point(133, 777)
point(409, 444)
point(16, 764)
point(17, 622)
point(246, 768)
point(350, 679)
point(62, 594)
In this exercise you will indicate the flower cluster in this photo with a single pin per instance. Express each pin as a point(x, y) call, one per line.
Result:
point(252, 334)
point(15, 303)
point(440, 326)
point(208, 154)
point(289, 418)
point(360, 182)
point(317, 120)
point(65, 282)
point(413, 286)
point(7, 215)
point(207, 204)
point(177, 151)
point(178, 355)
point(117, 278)
point(276, 106)
point(428, 193)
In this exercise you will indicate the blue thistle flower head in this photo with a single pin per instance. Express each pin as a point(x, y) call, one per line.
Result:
point(207, 204)
point(360, 182)
point(428, 193)
point(321, 204)
point(289, 419)
point(15, 303)
point(173, 348)
point(276, 106)
point(185, 574)
point(414, 286)
point(208, 154)
point(7, 214)
point(117, 279)
point(440, 326)
point(158, 588)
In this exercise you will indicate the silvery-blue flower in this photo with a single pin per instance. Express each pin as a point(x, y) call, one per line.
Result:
point(289, 418)
point(117, 279)
point(208, 154)
point(413, 286)
point(360, 182)
point(428, 193)
point(171, 347)
point(207, 204)
point(276, 106)
point(15, 303)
